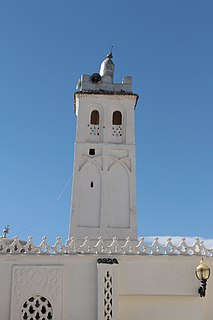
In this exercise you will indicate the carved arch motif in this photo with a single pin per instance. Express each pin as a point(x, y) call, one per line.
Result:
point(125, 162)
point(119, 196)
point(89, 195)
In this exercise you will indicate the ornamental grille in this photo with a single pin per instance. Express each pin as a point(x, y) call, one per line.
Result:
point(37, 308)
point(108, 296)
point(117, 131)
point(94, 130)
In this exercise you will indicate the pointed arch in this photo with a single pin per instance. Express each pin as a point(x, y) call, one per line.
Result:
point(119, 193)
point(89, 196)
point(116, 160)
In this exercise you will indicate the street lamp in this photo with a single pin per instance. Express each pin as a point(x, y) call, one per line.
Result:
point(203, 273)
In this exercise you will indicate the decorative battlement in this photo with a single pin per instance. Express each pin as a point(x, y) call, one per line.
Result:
point(86, 83)
point(72, 246)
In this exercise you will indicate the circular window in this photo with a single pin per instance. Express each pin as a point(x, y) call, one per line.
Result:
point(37, 308)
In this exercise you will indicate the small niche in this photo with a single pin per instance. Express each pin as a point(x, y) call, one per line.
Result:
point(91, 184)
point(91, 152)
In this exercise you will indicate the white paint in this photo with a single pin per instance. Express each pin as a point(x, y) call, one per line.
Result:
point(31, 280)
point(147, 286)
point(150, 281)
point(107, 291)
point(104, 184)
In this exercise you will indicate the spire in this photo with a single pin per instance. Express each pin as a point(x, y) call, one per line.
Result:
point(107, 68)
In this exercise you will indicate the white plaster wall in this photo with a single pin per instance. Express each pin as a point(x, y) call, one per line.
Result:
point(109, 208)
point(108, 157)
point(148, 286)
point(105, 104)
point(139, 307)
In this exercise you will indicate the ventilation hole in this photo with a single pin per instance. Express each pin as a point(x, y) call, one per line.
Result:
point(37, 304)
point(37, 316)
point(49, 316)
point(31, 310)
point(91, 152)
point(25, 316)
point(91, 184)
point(31, 299)
point(43, 309)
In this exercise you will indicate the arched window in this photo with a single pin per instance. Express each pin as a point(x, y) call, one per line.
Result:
point(94, 118)
point(37, 307)
point(117, 118)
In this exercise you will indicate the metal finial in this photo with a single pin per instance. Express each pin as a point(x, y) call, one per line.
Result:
point(6, 231)
point(110, 53)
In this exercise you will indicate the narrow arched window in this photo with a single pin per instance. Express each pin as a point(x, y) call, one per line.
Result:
point(117, 118)
point(94, 118)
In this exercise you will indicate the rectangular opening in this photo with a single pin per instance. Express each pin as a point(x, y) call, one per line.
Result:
point(91, 152)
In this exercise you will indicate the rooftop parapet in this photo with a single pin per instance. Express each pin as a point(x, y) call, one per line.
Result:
point(86, 84)
point(103, 81)
point(101, 246)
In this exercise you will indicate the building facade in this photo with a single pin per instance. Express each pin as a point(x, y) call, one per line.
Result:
point(103, 272)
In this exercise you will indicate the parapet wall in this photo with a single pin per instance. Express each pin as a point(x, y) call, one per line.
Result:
point(101, 246)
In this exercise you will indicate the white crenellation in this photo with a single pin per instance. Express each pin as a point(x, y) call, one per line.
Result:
point(85, 84)
point(101, 246)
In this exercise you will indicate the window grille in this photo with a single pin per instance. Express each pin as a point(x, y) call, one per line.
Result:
point(37, 308)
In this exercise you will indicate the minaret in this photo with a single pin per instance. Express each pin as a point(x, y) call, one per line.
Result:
point(104, 181)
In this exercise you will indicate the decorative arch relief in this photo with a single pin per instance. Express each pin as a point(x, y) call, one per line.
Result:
point(119, 197)
point(119, 156)
point(90, 183)
point(126, 163)
point(36, 291)
point(85, 161)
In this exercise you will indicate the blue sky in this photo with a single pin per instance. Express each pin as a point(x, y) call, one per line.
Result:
point(167, 47)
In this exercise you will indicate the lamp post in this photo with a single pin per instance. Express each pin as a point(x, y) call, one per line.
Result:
point(203, 273)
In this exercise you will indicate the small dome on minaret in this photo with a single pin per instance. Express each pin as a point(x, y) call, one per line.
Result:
point(107, 69)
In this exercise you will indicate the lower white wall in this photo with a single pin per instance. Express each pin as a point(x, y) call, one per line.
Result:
point(160, 307)
point(149, 287)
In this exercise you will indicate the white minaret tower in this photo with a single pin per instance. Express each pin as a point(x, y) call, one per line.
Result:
point(104, 182)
